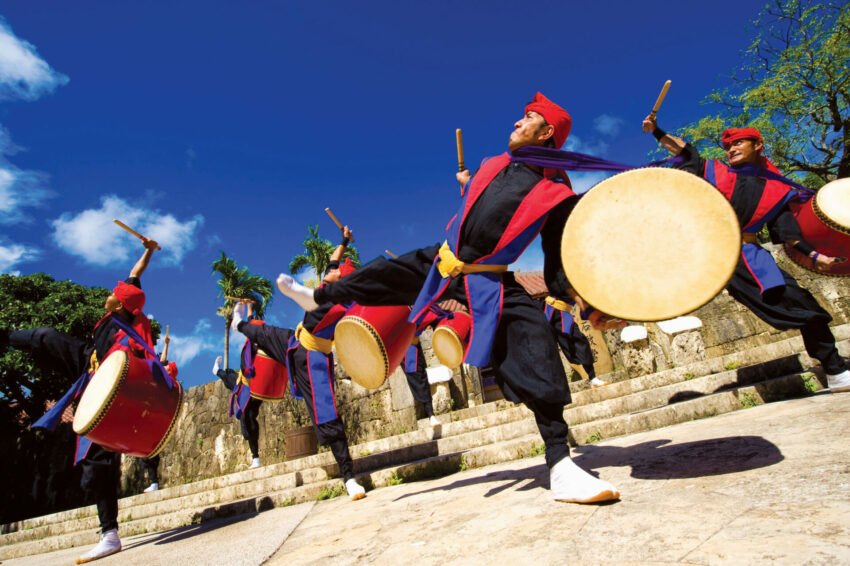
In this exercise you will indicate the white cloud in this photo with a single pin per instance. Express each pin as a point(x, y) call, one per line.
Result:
point(23, 74)
point(585, 180)
point(18, 188)
point(607, 124)
point(575, 143)
point(14, 254)
point(184, 349)
point(92, 236)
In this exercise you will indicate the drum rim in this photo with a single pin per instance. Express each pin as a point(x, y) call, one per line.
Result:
point(173, 426)
point(125, 368)
point(791, 253)
point(365, 324)
point(448, 328)
point(826, 220)
point(264, 398)
point(690, 309)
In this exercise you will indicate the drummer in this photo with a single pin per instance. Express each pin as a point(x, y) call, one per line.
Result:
point(758, 283)
point(248, 419)
point(307, 354)
point(151, 465)
point(55, 351)
point(506, 204)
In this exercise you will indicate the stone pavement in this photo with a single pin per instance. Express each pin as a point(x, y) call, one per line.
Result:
point(770, 484)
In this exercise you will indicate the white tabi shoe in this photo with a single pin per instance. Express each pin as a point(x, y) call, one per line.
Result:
point(255, 463)
point(596, 382)
point(297, 292)
point(109, 544)
point(571, 484)
point(434, 421)
point(840, 382)
point(217, 365)
point(240, 313)
point(152, 487)
point(355, 490)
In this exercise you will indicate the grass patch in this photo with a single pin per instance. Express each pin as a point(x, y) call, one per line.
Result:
point(810, 382)
point(593, 438)
point(732, 364)
point(689, 376)
point(462, 466)
point(331, 492)
point(748, 400)
point(395, 479)
point(537, 450)
point(289, 502)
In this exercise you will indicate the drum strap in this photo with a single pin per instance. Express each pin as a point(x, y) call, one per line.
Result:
point(451, 266)
point(560, 305)
point(311, 342)
point(749, 237)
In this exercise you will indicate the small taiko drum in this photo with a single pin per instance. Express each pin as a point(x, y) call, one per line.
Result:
point(825, 223)
point(651, 244)
point(371, 342)
point(451, 338)
point(270, 378)
point(125, 409)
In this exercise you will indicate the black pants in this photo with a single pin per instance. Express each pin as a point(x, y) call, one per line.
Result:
point(250, 425)
point(64, 354)
point(524, 358)
point(418, 382)
point(150, 465)
point(790, 307)
point(331, 433)
point(574, 344)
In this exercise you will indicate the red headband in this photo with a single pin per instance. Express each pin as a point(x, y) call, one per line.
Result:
point(554, 116)
point(735, 134)
point(130, 296)
point(346, 267)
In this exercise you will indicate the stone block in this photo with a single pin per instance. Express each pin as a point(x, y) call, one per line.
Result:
point(402, 398)
point(686, 348)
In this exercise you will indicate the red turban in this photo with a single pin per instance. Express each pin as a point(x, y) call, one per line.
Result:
point(256, 322)
point(554, 116)
point(346, 267)
point(130, 296)
point(171, 368)
point(735, 134)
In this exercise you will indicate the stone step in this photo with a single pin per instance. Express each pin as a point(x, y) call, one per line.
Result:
point(508, 441)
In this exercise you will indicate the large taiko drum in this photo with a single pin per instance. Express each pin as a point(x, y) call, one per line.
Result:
point(451, 338)
point(127, 410)
point(371, 342)
point(651, 244)
point(270, 378)
point(825, 223)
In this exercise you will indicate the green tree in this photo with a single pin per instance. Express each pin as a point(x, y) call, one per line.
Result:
point(37, 300)
point(317, 254)
point(241, 283)
point(794, 86)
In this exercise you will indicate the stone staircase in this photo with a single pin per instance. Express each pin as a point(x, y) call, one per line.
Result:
point(479, 436)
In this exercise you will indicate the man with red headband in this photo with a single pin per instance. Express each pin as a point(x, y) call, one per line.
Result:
point(66, 355)
point(505, 205)
point(307, 355)
point(758, 283)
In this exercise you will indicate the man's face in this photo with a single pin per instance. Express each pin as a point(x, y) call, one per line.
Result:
point(530, 130)
point(112, 304)
point(741, 152)
point(331, 276)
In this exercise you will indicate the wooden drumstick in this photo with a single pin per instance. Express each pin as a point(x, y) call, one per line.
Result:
point(389, 253)
point(460, 165)
point(166, 332)
point(133, 232)
point(660, 98)
point(239, 300)
point(336, 221)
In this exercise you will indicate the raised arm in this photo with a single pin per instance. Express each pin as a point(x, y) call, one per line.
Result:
point(340, 249)
point(142, 264)
point(164, 356)
point(671, 143)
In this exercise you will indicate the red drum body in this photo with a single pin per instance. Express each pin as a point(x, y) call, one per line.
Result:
point(451, 338)
point(371, 342)
point(825, 223)
point(127, 410)
point(270, 378)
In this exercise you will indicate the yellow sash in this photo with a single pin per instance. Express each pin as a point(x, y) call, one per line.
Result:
point(312, 343)
point(93, 365)
point(451, 266)
point(242, 379)
point(560, 305)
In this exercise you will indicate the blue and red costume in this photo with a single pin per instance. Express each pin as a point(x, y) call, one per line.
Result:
point(760, 198)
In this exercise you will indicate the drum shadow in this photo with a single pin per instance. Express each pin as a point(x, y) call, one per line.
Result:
point(204, 521)
point(659, 460)
point(524, 479)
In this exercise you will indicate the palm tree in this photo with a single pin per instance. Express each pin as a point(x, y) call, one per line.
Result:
point(317, 254)
point(240, 283)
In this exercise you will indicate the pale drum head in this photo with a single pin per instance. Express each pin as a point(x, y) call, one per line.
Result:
point(447, 346)
point(833, 201)
point(365, 358)
point(651, 244)
point(100, 391)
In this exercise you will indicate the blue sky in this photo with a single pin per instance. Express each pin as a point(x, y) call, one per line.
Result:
point(231, 126)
